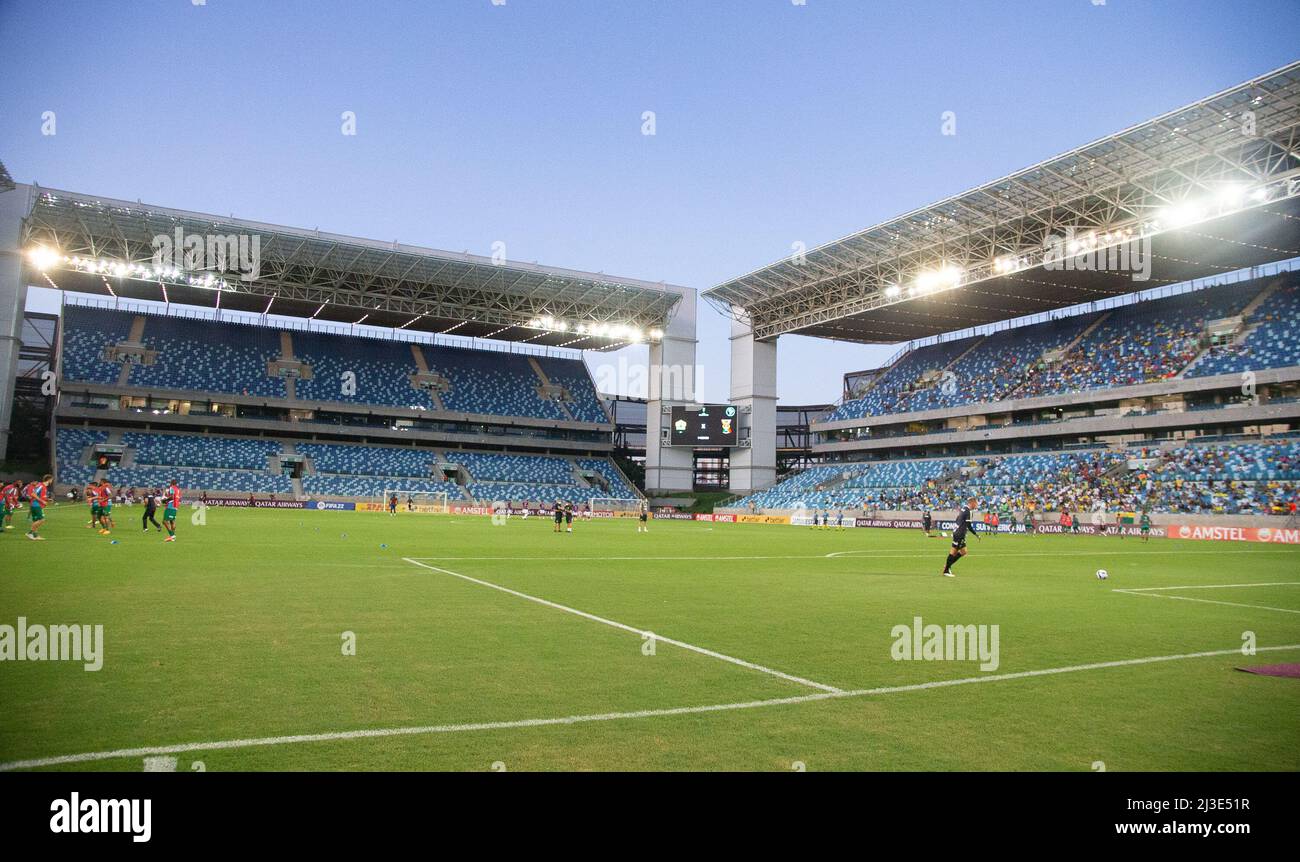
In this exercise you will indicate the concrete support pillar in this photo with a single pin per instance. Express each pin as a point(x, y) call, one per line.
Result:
point(753, 391)
point(14, 205)
point(671, 380)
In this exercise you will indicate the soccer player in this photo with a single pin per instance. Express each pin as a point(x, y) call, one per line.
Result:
point(1011, 521)
point(643, 518)
point(959, 531)
point(9, 501)
point(105, 493)
point(38, 494)
point(392, 506)
point(814, 523)
point(92, 498)
point(1145, 525)
point(994, 521)
point(927, 522)
point(150, 508)
point(559, 517)
point(839, 519)
point(173, 502)
point(568, 517)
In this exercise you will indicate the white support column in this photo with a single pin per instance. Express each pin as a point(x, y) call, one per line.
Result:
point(753, 391)
point(14, 206)
point(671, 380)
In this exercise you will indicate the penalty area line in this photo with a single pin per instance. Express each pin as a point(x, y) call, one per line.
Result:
point(380, 733)
point(1150, 595)
point(1207, 587)
point(623, 626)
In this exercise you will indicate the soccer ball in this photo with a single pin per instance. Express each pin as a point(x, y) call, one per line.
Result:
point(1102, 574)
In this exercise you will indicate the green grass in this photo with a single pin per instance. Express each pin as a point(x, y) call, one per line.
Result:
point(235, 632)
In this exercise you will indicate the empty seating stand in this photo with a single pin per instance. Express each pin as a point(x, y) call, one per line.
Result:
point(1145, 342)
point(203, 355)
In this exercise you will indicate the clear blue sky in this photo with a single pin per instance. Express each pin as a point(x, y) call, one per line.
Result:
point(776, 122)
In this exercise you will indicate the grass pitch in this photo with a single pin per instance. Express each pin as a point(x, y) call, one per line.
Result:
point(226, 648)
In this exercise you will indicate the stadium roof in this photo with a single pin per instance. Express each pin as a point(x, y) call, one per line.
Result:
point(101, 246)
point(1208, 188)
point(6, 182)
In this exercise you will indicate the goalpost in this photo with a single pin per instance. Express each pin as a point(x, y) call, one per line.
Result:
point(420, 501)
point(616, 507)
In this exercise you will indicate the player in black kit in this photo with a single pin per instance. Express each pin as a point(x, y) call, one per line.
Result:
point(959, 531)
point(926, 522)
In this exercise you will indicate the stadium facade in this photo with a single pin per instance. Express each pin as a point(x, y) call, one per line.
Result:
point(1016, 304)
point(226, 353)
point(1126, 311)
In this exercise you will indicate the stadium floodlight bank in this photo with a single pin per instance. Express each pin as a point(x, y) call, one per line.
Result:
point(617, 507)
point(418, 501)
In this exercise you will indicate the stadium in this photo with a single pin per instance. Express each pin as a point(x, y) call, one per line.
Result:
point(321, 502)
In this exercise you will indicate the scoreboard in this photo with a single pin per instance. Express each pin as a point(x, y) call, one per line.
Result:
point(705, 425)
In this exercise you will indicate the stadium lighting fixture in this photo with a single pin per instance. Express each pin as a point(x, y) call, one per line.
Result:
point(938, 279)
point(43, 257)
point(1230, 194)
point(1181, 214)
point(603, 329)
point(893, 291)
point(1260, 194)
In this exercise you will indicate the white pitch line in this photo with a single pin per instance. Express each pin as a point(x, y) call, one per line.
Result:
point(642, 632)
point(380, 733)
point(1208, 587)
point(839, 554)
point(1209, 601)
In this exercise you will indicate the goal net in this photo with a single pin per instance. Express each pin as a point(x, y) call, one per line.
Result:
point(417, 501)
point(616, 507)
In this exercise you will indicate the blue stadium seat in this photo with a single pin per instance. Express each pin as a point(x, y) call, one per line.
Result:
point(208, 356)
point(86, 332)
point(382, 370)
point(1273, 341)
point(572, 374)
point(490, 382)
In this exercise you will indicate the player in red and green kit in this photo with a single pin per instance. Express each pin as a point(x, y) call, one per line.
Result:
point(104, 494)
point(8, 504)
point(172, 498)
point(38, 495)
point(92, 498)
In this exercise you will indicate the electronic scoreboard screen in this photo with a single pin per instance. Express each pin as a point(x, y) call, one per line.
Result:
point(706, 425)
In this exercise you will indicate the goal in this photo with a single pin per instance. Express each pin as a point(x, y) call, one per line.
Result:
point(417, 501)
point(616, 507)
